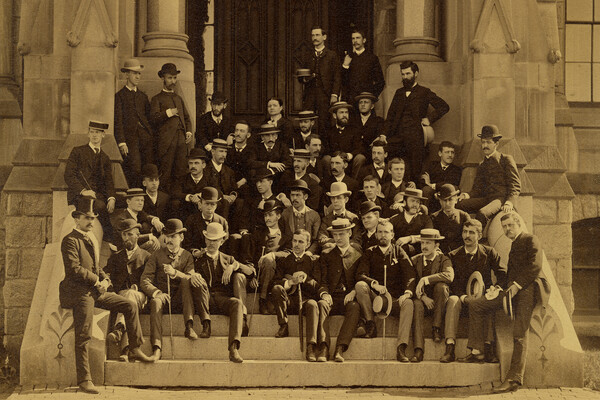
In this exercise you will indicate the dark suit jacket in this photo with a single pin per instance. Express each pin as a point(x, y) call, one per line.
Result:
point(328, 70)
point(81, 270)
point(450, 227)
point(337, 274)
point(404, 228)
point(122, 214)
point(185, 185)
point(318, 169)
point(369, 169)
point(166, 127)
point(400, 273)
point(485, 261)
point(312, 223)
point(129, 113)
point(116, 268)
point(351, 184)
point(370, 130)
point(368, 241)
point(260, 238)
point(389, 191)
point(298, 141)
point(287, 131)
point(239, 162)
point(363, 75)
point(159, 208)
point(207, 129)
point(254, 216)
point(259, 157)
point(314, 198)
point(441, 269)
point(213, 274)
point(326, 222)
point(154, 277)
point(290, 264)
point(497, 178)
point(79, 174)
point(223, 181)
point(437, 175)
point(525, 266)
point(349, 140)
point(195, 225)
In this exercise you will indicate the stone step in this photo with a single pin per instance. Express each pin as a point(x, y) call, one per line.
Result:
point(264, 348)
point(273, 373)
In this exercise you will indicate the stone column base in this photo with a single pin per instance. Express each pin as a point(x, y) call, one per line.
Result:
point(416, 49)
point(166, 44)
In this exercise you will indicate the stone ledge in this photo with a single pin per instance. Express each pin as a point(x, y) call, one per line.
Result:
point(584, 183)
point(37, 151)
point(587, 325)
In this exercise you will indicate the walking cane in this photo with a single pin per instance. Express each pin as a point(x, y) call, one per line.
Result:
point(300, 319)
point(383, 339)
point(170, 317)
point(262, 254)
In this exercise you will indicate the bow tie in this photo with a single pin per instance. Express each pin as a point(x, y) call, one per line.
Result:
point(299, 214)
point(377, 168)
point(339, 215)
point(319, 53)
point(444, 168)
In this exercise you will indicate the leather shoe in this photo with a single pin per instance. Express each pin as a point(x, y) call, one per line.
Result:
point(418, 356)
point(472, 358)
point(507, 386)
point(361, 330)
point(449, 355)
point(205, 334)
point(262, 307)
point(234, 355)
point(310, 353)
point(88, 387)
point(323, 355)
point(371, 329)
point(138, 354)
point(338, 355)
point(401, 353)
point(283, 331)
point(245, 328)
point(116, 335)
point(157, 354)
point(489, 351)
point(437, 334)
point(190, 333)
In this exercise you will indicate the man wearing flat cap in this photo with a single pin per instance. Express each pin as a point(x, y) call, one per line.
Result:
point(214, 124)
point(345, 137)
point(133, 132)
point(497, 183)
point(170, 117)
point(89, 173)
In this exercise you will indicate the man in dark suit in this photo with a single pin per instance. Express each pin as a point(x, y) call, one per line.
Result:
point(407, 115)
point(157, 201)
point(369, 124)
point(345, 137)
point(449, 221)
point(89, 173)
point(173, 127)
point(395, 185)
point(525, 283)
point(377, 166)
point(361, 70)
point(306, 122)
point(338, 165)
point(409, 222)
point(213, 124)
point(272, 153)
point(197, 222)
point(277, 120)
point(299, 216)
point(340, 196)
point(371, 191)
point(132, 129)
point(437, 173)
point(369, 216)
point(300, 164)
point(316, 165)
point(322, 88)
point(238, 158)
point(497, 183)
point(185, 192)
point(85, 287)
point(222, 177)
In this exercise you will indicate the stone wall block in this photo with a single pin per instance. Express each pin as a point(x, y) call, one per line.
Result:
point(48, 238)
point(577, 210)
point(26, 231)
point(567, 296)
point(15, 320)
point(14, 201)
point(589, 206)
point(564, 271)
point(565, 211)
point(13, 347)
point(31, 261)
point(3, 210)
point(18, 292)
point(544, 211)
point(556, 240)
point(13, 263)
point(37, 204)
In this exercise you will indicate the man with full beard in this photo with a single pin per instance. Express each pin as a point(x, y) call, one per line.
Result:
point(214, 124)
point(345, 137)
point(306, 122)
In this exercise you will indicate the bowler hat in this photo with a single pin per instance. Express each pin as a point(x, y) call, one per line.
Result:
point(368, 206)
point(340, 224)
point(301, 153)
point(214, 231)
point(366, 95)
point(446, 191)
point(303, 115)
point(209, 193)
point(133, 64)
point(431, 234)
point(128, 224)
point(134, 192)
point(475, 285)
point(266, 129)
point(299, 184)
point(416, 193)
point(173, 226)
point(150, 171)
point(84, 206)
point(490, 132)
point(339, 104)
point(382, 305)
point(98, 125)
point(220, 144)
point(168, 68)
point(197, 153)
point(263, 173)
point(338, 188)
point(272, 205)
point(218, 98)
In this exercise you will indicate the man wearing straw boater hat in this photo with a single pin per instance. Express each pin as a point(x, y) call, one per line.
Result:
point(166, 282)
point(271, 153)
point(468, 260)
point(133, 132)
point(85, 286)
point(449, 221)
point(434, 275)
point(409, 222)
point(385, 269)
point(306, 122)
point(339, 195)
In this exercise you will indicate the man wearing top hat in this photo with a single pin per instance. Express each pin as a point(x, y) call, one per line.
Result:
point(222, 177)
point(472, 257)
point(271, 153)
point(497, 183)
point(449, 221)
point(386, 270)
point(338, 271)
point(300, 216)
point(361, 70)
point(213, 124)
point(219, 286)
point(124, 269)
point(434, 275)
point(89, 173)
point(85, 286)
point(133, 132)
point(300, 164)
point(186, 190)
point(410, 220)
point(339, 195)
point(169, 269)
point(306, 122)
point(345, 137)
point(173, 127)
point(369, 216)
point(369, 125)
point(197, 222)
point(157, 201)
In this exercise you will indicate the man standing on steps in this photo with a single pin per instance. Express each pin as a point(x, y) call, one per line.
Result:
point(85, 287)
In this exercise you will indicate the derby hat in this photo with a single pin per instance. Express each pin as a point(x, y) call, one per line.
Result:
point(366, 95)
point(340, 224)
point(209, 193)
point(150, 171)
point(220, 144)
point(337, 189)
point(475, 285)
point(133, 64)
point(299, 184)
point(98, 125)
point(173, 226)
point(340, 104)
point(197, 153)
point(263, 173)
point(134, 192)
point(266, 129)
point(382, 305)
point(301, 153)
point(446, 191)
point(428, 134)
point(431, 234)
point(214, 231)
point(368, 206)
point(416, 193)
point(168, 68)
point(128, 224)
point(84, 206)
point(303, 115)
point(272, 205)
point(303, 72)
point(218, 98)
point(490, 132)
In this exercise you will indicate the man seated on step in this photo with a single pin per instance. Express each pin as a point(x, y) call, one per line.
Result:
point(339, 195)
point(409, 222)
point(467, 260)
point(377, 166)
point(385, 269)
point(395, 184)
point(294, 275)
point(439, 172)
point(300, 216)
point(222, 177)
point(197, 222)
point(337, 276)
point(185, 192)
point(166, 280)
point(135, 199)
point(434, 275)
point(301, 161)
point(449, 220)
point(271, 153)
point(371, 191)
point(124, 269)
point(219, 287)
point(369, 217)
point(158, 201)
point(338, 166)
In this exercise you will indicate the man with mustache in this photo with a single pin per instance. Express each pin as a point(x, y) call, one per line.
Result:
point(377, 167)
point(237, 157)
point(409, 222)
point(272, 153)
point(306, 122)
point(345, 137)
point(214, 124)
point(407, 115)
point(316, 165)
point(300, 216)
point(186, 189)
point(300, 164)
point(497, 183)
point(222, 177)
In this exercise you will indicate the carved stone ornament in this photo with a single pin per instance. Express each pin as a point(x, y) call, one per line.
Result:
point(477, 45)
point(74, 35)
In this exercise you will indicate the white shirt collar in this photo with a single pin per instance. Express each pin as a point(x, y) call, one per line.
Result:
point(134, 213)
point(491, 155)
point(364, 118)
point(154, 198)
point(274, 230)
point(473, 253)
point(275, 118)
point(198, 179)
point(396, 183)
point(134, 89)
point(93, 148)
point(217, 166)
point(321, 48)
point(409, 217)
point(359, 52)
point(236, 147)
point(301, 211)
point(130, 252)
point(384, 250)
point(86, 234)
point(343, 250)
point(217, 119)
point(340, 178)
point(168, 91)
point(214, 256)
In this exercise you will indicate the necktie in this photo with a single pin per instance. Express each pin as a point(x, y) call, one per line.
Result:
point(444, 168)
point(378, 168)
point(269, 149)
point(96, 151)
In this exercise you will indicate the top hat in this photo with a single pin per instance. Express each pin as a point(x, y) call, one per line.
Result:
point(489, 132)
point(214, 231)
point(98, 125)
point(416, 193)
point(173, 226)
point(220, 144)
point(368, 206)
point(218, 98)
point(338, 188)
point(299, 184)
point(209, 193)
point(272, 205)
point(150, 171)
point(382, 305)
point(128, 224)
point(301, 153)
point(339, 104)
point(266, 129)
point(446, 191)
point(168, 68)
point(303, 115)
point(134, 192)
point(84, 206)
point(431, 234)
point(366, 95)
point(198, 153)
point(340, 224)
point(475, 285)
point(133, 64)
point(303, 72)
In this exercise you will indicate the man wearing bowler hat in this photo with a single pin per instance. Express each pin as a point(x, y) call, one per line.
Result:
point(306, 122)
point(271, 153)
point(133, 132)
point(157, 201)
point(197, 222)
point(300, 216)
point(449, 221)
point(169, 269)
point(409, 222)
point(89, 173)
point(370, 125)
point(222, 177)
point(497, 183)
point(369, 216)
point(434, 275)
point(85, 286)
point(173, 125)
point(214, 124)
point(186, 190)
point(345, 137)
point(300, 164)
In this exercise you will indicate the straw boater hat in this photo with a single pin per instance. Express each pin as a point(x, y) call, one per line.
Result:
point(490, 132)
point(218, 98)
point(368, 206)
point(303, 72)
point(220, 144)
point(267, 129)
point(98, 125)
point(128, 224)
point(197, 153)
point(300, 184)
point(446, 191)
point(340, 224)
point(301, 153)
point(214, 231)
point(340, 104)
point(168, 68)
point(134, 192)
point(132, 64)
point(416, 193)
point(475, 285)
point(382, 305)
point(303, 115)
point(337, 189)
point(84, 206)
point(431, 234)
point(366, 95)
point(173, 226)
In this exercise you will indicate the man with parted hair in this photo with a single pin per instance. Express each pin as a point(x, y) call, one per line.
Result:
point(396, 183)
point(439, 172)
point(377, 165)
point(361, 70)
point(214, 124)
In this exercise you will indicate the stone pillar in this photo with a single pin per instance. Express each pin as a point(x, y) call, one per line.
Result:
point(165, 25)
point(417, 31)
